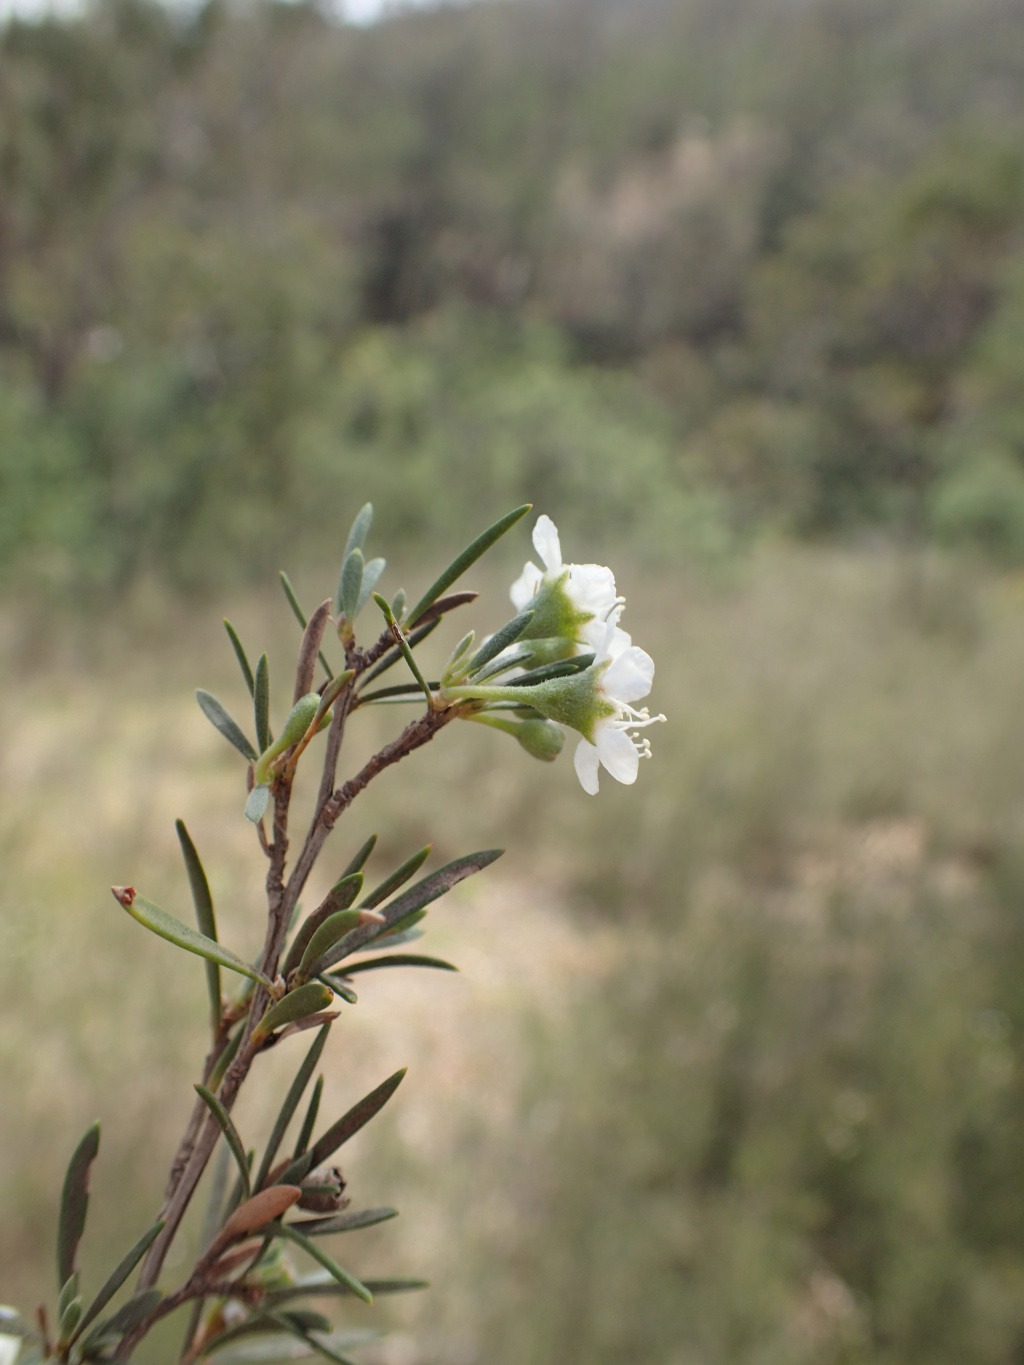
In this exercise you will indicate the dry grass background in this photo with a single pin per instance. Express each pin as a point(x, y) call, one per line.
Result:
point(845, 731)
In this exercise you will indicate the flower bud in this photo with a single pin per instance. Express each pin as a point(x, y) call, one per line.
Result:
point(541, 739)
point(323, 1191)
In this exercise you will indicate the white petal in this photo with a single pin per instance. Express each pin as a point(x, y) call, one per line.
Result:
point(9, 1348)
point(607, 642)
point(618, 753)
point(585, 761)
point(547, 545)
point(591, 588)
point(526, 585)
point(629, 677)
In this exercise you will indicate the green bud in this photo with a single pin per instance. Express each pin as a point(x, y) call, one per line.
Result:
point(300, 717)
point(541, 739)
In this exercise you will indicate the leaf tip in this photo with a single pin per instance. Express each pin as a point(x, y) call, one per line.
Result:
point(124, 895)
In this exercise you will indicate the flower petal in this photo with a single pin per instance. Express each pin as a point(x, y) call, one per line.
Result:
point(525, 587)
point(618, 753)
point(547, 544)
point(608, 641)
point(591, 588)
point(586, 763)
point(629, 677)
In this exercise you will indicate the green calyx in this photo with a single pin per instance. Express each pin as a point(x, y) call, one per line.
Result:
point(575, 701)
point(540, 738)
point(554, 616)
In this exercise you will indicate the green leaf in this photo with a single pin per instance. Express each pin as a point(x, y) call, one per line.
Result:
point(501, 639)
point(360, 859)
point(205, 917)
point(291, 1102)
point(357, 1117)
point(308, 1123)
point(370, 964)
point(117, 1277)
point(74, 1204)
point(371, 577)
point(261, 703)
point(339, 987)
point(226, 1057)
point(220, 720)
point(319, 1283)
point(564, 668)
point(166, 926)
point(67, 1295)
point(243, 662)
point(317, 957)
point(130, 1315)
point(398, 603)
point(297, 1170)
point(359, 531)
point(340, 897)
point(345, 1222)
point(300, 615)
point(398, 878)
point(514, 660)
point(230, 1135)
point(438, 884)
point(297, 1004)
point(462, 562)
point(256, 803)
point(393, 655)
point(336, 1272)
point(351, 582)
point(404, 646)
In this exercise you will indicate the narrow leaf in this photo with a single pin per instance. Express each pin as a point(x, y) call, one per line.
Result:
point(423, 893)
point(563, 668)
point(398, 603)
point(298, 1004)
point(370, 964)
point(340, 897)
point(351, 582)
point(126, 1317)
point(243, 662)
point(220, 720)
point(74, 1204)
point(317, 957)
point(225, 1059)
point(291, 1101)
point(118, 1276)
point(256, 803)
point(318, 1283)
point(345, 1222)
point(359, 861)
point(359, 531)
point(296, 1170)
point(230, 1134)
point(501, 639)
point(308, 1123)
point(166, 926)
point(300, 615)
point(333, 1269)
point(205, 917)
point(404, 646)
point(516, 659)
point(357, 1117)
point(371, 577)
point(393, 655)
point(398, 878)
point(462, 562)
point(261, 703)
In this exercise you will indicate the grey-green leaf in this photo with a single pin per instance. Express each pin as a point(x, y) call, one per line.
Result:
point(340, 897)
point(205, 917)
point(256, 803)
point(357, 1117)
point(159, 922)
point(298, 1004)
point(370, 964)
point(333, 1269)
point(291, 1102)
point(466, 559)
point(360, 530)
point(398, 878)
point(306, 1131)
point(345, 1222)
point(261, 703)
point(220, 720)
point(240, 655)
point(371, 577)
point(74, 1204)
point(130, 1315)
point(501, 639)
point(118, 1276)
point(351, 582)
point(359, 861)
point(231, 1135)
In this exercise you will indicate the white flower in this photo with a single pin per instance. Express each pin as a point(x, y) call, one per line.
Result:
point(9, 1345)
point(626, 677)
point(580, 597)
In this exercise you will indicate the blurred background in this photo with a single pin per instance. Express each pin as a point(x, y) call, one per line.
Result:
point(734, 290)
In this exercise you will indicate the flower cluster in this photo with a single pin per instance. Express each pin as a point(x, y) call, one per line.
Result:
point(571, 612)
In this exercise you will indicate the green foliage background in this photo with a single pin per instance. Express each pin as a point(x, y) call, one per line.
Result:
point(703, 278)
